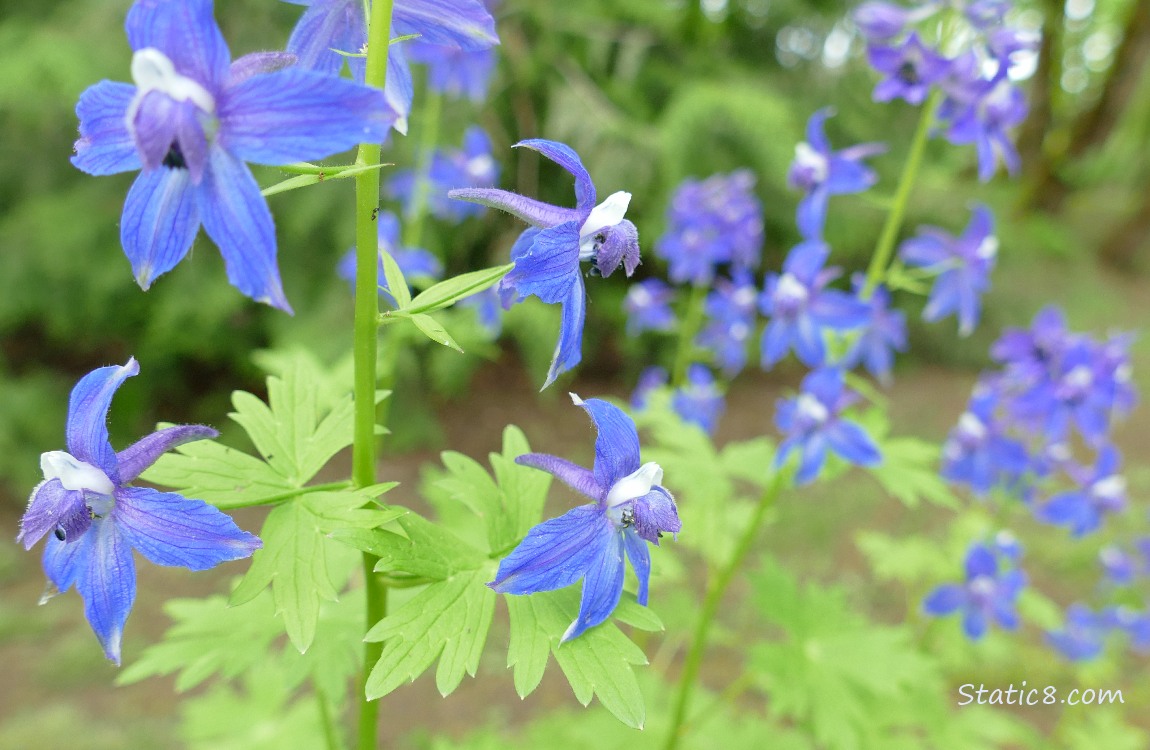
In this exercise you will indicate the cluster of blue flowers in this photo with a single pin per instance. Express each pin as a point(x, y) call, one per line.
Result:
point(1056, 391)
point(969, 64)
point(993, 583)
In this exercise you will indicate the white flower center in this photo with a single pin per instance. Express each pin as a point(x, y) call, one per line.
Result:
point(152, 70)
point(812, 409)
point(1112, 487)
point(480, 166)
point(790, 289)
point(75, 474)
point(988, 248)
point(811, 160)
point(971, 426)
point(1079, 377)
point(607, 214)
point(635, 485)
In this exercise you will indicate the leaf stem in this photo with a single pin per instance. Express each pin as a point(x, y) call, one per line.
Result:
point(366, 314)
point(890, 228)
point(692, 322)
point(711, 602)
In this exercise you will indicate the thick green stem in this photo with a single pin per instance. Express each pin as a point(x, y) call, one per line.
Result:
point(366, 315)
point(711, 602)
point(429, 134)
point(692, 322)
point(883, 251)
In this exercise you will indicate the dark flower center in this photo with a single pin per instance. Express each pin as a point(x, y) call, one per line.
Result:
point(174, 159)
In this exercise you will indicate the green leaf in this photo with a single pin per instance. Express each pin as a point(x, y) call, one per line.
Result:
point(909, 471)
point(434, 331)
point(396, 284)
point(456, 288)
point(597, 664)
point(302, 564)
point(222, 476)
point(313, 178)
point(448, 621)
point(427, 550)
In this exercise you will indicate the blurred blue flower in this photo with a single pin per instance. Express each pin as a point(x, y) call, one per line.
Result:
point(97, 518)
point(1123, 566)
point(650, 379)
point(487, 310)
point(458, 73)
point(711, 222)
point(588, 542)
point(800, 307)
point(989, 594)
point(473, 166)
point(700, 400)
point(911, 68)
point(1101, 491)
point(330, 27)
point(812, 423)
point(963, 265)
point(820, 173)
point(1135, 624)
point(191, 121)
point(730, 314)
point(648, 307)
point(1083, 635)
point(977, 451)
point(881, 21)
point(883, 333)
point(547, 255)
point(1027, 354)
point(981, 112)
point(418, 265)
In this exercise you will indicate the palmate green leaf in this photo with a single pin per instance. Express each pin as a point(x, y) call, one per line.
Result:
point(833, 670)
point(597, 664)
point(427, 550)
point(452, 290)
point(909, 471)
point(301, 563)
point(508, 504)
point(222, 476)
point(208, 638)
point(448, 621)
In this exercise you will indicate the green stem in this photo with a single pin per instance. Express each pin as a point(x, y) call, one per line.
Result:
point(274, 499)
point(330, 733)
point(366, 314)
point(692, 322)
point(711, 602)
point(417, 211)
point(886, 239)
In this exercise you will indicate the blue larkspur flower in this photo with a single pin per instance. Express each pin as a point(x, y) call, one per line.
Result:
point(96, 518)
point(812, 423)
point(191, 121)
point(963, 265)
point(883, 333)
point(911, 69)
point(989, 594)
point(418, 265)
point(487, 310)
point(700, 400)
point(650, 379)
point(730, 310)
point(1122, 566)
point(329, 27)
point(471, 166)
point(1100, 492)
point(982, 113)
point(1083, 636)
point(453, 71)
point(548, 253)
point(588, 543)
point(820, 173)
point(800, 307)
point(648, 307)
point(712, 222)
point(977, 452)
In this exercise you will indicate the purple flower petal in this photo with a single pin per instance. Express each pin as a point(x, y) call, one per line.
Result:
point(326, 26)
point(456, 23)
point(298, 115)
point(63, 561)
point(87, 430)
point(186, 32)
point(565, 156)
point(160, 221)
point(853, 443)
point(258, 63)
point(640, 558)
point(138, 456)
point(601, 588)
point(106, 579)
point(555, 553)
point(51, 507)
point(574, 476)
point(237, 219)
point(656, 513)
point(170, 529)
point(617, 442)
point(534, 212)
point(943, 600)
point(569, 347)
point(105, 145)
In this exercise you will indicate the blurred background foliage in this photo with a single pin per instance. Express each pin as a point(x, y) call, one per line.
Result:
point(648, 92)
